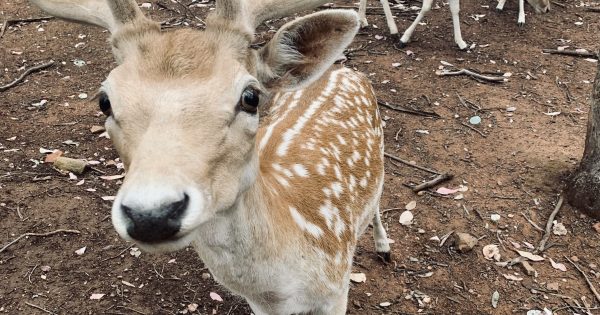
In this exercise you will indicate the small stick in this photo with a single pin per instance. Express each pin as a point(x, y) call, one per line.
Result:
point(474, 129)
point(38, 234)
point(9, 22)
point(597, 10)
point(390, 209)
point(25, 74)
point(590, 284)
point(408, 111)
point(472, 74)
point(559, 4)
point(537, 227)
point(438, 179)
point(397, 159)
point(542, 246)
point(40, 308)
point(575, 53)
point(119, 254)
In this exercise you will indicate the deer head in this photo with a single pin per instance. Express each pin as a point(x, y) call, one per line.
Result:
point(182, 106)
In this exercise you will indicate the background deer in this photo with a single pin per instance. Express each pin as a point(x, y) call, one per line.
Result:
point(274, 209)
point(540, 6)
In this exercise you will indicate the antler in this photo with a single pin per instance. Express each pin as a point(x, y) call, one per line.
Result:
point(248, 14)
point(108, 14)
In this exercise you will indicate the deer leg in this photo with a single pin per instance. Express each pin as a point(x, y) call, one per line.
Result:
point(409, 31)
point(382, 246)
point(500, 5)
point(454, 10)
point(389, 17)
point(521, 20)
point(362, 13)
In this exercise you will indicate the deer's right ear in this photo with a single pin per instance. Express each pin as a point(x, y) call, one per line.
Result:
point(302, 50)
point(108, 14)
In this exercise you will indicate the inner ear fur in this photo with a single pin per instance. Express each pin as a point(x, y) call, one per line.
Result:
point(302, 50)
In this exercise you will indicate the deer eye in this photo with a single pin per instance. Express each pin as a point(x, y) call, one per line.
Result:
point(250, 100)
point(104, 104)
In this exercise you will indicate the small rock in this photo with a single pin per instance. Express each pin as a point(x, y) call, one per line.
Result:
point(552, 286)
point(475, 120)
point(205, 276)
point(597, 227)
point(464, 242)
point(495, 217)
point(97, 129)
point(558, 228)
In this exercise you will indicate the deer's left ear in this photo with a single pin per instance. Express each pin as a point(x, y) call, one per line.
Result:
point(302, 50)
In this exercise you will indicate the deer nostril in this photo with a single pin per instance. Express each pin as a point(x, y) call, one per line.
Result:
point(157, 224)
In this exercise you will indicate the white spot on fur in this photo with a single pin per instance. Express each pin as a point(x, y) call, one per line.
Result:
point(363, 182)
point(309, 227)
point(300, 170)
point(337, 189)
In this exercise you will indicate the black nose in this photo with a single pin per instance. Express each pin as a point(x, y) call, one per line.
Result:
point(155, 225)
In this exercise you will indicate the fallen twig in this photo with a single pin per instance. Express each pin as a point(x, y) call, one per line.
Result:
point(40, 308)
point(590, 284)
point(537, 227)
point(38, 234)
point(576, 53)
point(119, 254)
point(472, 74)
point(25, 74)
point(408, 111)
point(474, 129)
point(10, 22)
point(397, 159)
point(597, 10)
point(542, 246)
point(438, 179)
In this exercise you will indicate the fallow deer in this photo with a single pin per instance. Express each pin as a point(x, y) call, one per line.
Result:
point(540, 6)
point(274, 208)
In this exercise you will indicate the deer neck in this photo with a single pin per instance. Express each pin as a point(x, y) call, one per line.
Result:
point(250, 227)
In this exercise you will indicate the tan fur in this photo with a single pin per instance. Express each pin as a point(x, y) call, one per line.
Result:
point(273, 209)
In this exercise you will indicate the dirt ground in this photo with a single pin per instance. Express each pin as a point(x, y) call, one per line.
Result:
point(514, 164)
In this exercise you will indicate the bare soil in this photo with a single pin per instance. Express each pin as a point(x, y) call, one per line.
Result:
point(516, 168)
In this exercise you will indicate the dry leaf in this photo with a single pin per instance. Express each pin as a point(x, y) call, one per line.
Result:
point(358, 277)
point(112, 177)
point(411, 205)
point(406, 218)
point(81, 251)
point(446, 191)
point(512, 277)
point(216, 297)
point(192, 307)
point(530, 256)
point(96, 296)
point(558, 266)
point(491, 252)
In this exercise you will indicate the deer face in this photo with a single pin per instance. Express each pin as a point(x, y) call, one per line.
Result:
point(183, 121)
point(182, 107)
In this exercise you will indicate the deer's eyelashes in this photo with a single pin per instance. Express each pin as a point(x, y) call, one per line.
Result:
point(249, 100)
point(104, 104)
